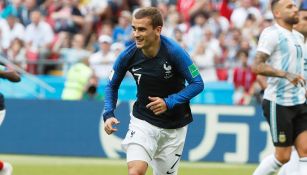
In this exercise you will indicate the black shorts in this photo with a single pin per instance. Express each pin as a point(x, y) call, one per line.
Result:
point(286, 122)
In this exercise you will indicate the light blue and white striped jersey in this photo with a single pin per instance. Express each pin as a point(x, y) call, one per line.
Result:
point(287, 52)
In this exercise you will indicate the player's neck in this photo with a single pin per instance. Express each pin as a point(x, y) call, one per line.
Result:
point(153, 50)
point(285, 25)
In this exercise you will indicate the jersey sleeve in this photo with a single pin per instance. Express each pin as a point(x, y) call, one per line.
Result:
point(115, 79)
point(267, 41)
point(190, 72)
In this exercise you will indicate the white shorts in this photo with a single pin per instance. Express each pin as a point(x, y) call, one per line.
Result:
point(160, 148)
point(2, 115)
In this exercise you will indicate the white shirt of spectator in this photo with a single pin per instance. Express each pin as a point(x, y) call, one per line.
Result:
point(18, 31)
point(287, 52)
point(4, 34)
point(102, 64)
point(239, 15)
point(205, 63)
point(39, 35)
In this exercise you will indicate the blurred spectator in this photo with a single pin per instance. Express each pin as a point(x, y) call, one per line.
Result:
point(91, 92)
point(171, 21)
point(250, 29)
point(94, 7)
point(123, 31)
point(196, 31)
point(233, 40)
point(106, 28)
point(244, 80)
point(212, 42)
point(240, 14)
point(68, 18)
point(4, 35)
point(179, 37)
point(16, 29)
point(188, 8)
point(217, 23)
point(204, 59)
point(74, 54)
point(250, 47)
point(28, 7)
point(266, 22)
point(117, 48)
point(221, 62)
point(61, 40)
point(38, 38)
point(14, 8)
point(10, 29)
point(226, 8)
point(77, 80)
point(102, 61)
point(17, 54)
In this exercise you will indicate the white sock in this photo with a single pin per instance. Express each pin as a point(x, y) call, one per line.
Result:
point(291, 167)
point(7, 169)
point(302, 166)
point(268, 166)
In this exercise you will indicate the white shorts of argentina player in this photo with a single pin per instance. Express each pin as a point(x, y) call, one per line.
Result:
point(160, 148)
point(2, 115)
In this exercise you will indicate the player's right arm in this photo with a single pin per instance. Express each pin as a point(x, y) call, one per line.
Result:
point(111, 89)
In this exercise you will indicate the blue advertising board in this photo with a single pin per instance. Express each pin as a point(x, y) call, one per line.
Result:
point(74, 128)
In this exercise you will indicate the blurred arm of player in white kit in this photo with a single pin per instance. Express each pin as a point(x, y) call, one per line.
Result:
point(9, 74)
point(12, 76)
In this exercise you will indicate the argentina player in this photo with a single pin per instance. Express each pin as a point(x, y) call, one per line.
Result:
point(160, 115)
point(280, 57)
point(291, 167)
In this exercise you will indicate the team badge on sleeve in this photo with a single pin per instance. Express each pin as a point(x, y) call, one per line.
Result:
point(193, 70)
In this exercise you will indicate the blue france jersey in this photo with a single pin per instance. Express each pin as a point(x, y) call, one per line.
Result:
point(163, 76)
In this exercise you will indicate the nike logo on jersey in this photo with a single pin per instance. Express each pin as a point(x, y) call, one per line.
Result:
point(136, 69)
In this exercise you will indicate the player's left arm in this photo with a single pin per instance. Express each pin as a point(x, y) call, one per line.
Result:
point(184, 65)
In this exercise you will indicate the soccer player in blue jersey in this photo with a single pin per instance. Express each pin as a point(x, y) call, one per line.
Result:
point(161, 113)
point(281, 57)
point(11, 75)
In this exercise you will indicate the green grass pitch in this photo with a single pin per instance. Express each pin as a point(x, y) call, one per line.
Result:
point(51, 165)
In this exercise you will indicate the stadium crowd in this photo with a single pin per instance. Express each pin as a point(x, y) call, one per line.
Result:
point(50, 36)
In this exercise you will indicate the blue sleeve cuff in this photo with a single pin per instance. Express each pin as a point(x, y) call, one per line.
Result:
point(107, 115)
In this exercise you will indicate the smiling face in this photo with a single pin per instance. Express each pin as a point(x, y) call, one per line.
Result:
point(144, 33)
